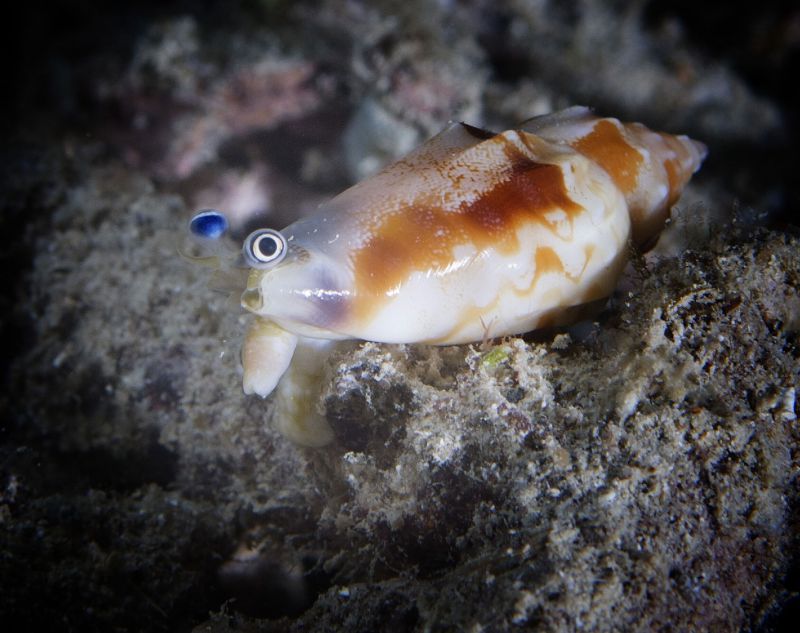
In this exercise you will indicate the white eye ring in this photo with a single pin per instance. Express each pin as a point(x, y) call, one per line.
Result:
point(264, 248)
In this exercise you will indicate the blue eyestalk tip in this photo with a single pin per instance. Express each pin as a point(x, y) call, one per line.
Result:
point(209, 224)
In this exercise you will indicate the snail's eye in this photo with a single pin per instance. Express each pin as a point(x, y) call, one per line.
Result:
point(209, 224)
point(264, 248)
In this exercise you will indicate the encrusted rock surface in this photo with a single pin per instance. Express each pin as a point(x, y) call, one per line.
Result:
point(638, 472)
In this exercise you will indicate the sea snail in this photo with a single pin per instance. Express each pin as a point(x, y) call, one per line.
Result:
point(472, 235)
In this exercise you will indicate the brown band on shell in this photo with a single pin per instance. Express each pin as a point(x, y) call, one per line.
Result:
point(421, 236)
point(607, 146)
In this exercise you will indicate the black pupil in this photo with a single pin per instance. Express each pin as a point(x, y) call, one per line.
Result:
point(267, 246)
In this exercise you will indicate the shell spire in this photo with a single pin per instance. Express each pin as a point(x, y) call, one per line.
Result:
point(650, 168)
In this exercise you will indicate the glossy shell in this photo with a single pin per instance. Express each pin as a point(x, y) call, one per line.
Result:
point(477, 234)
point(473, 235)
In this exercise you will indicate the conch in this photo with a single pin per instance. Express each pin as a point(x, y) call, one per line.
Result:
point(473, 235)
